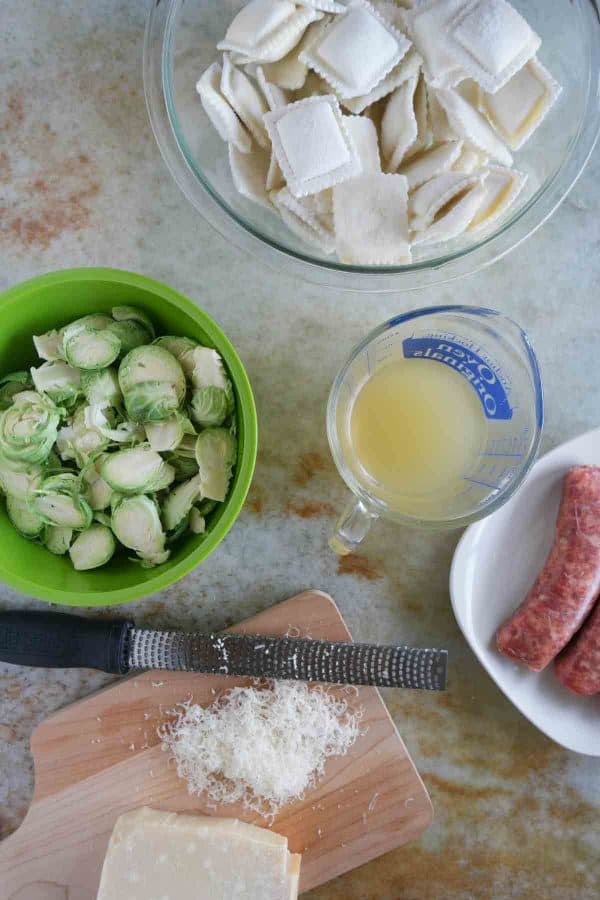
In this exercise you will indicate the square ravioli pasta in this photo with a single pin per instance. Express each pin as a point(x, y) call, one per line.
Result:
point(472, 126)
point(431, 163)
point(246, 100)
point(220, 113)
point(266, 30)
point(312, 144)
point(356, 51)
point(501, 188)
point(250, 172)
point(305, 220)
point(427, 23)
point(438, 91)
point(455, 221)
point(364, 135)
point(371, 220)
point(409, 65)
point(399, 126)
point(518, 108)
point(491, 41)
point(444, 207)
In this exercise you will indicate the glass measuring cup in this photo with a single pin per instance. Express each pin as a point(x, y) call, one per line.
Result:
point(495, 357)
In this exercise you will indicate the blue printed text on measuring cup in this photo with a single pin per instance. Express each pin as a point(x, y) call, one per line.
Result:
point(489, 388)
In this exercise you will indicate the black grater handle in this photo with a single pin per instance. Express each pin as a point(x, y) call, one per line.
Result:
point(56, 641)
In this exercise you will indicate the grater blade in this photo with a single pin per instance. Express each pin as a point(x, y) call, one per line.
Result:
point(299, 659)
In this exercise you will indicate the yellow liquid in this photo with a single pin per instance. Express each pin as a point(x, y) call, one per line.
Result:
point(416, 428)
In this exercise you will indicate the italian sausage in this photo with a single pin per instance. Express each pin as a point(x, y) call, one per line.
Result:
point(578, 666)
point(566, 588)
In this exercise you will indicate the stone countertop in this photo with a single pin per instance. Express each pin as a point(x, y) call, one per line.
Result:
point(82, 183)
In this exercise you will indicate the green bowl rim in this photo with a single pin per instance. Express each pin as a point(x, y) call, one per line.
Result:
point(245, 467)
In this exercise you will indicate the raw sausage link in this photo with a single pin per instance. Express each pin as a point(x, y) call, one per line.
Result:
point(579, 666)
point(566, 588)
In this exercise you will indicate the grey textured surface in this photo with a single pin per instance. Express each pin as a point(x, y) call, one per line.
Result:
point(82, 183)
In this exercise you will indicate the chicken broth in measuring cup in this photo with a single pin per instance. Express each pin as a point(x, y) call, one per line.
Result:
point(415, 429)
point(434, 420)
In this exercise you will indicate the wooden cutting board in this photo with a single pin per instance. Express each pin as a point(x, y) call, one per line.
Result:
point(101, 757)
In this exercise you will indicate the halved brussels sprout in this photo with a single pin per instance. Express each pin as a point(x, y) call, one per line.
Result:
point(132, 314)
point(131, 334)
point(90, 349)
point(123, 433)
point(215, 455)
point(58, 380)
point(94, 321)
point(57, 539)
point(99, 495)
point(29, 427)
point(187, 446)
point(175, 344)
point(205, 507)
point(167, 435)
point(179, 502)
point(155, 559)
point(63, 510)
point(166, 479)
point(92, 548)
point(53, 465)
point(64, 482)
point(178, 532)
point(197, 522)
point(204, 368)
point(151, 401)
point(136, 471)
point(101, 388)
point(98, 492)
point(102, 518)
point(49, 502)
point(153, 384)
point(79, 441)
point(47, 345)
point(58, 502)
point(20, 479)
point(25, 520)
point(136, 524)
point(12, 384)
point(151, 364)
point(185, 467)
point(211, 406)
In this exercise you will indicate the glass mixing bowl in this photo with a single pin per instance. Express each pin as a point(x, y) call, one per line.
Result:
point(180, 43)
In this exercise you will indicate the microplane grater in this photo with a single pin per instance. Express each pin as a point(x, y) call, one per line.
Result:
point(57, 640)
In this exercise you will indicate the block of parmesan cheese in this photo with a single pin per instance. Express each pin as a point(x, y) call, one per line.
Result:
point(156, 855)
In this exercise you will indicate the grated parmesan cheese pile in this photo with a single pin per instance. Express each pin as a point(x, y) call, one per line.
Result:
point(261, 747)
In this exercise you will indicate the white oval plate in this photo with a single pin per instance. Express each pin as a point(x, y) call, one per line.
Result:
point(494, 565)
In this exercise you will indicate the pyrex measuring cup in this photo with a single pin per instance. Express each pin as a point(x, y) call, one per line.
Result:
point(495, 357)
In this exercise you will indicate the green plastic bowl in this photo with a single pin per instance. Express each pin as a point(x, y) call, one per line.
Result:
point(48, 302)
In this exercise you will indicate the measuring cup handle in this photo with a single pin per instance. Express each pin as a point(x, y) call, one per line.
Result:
point(351, 528)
